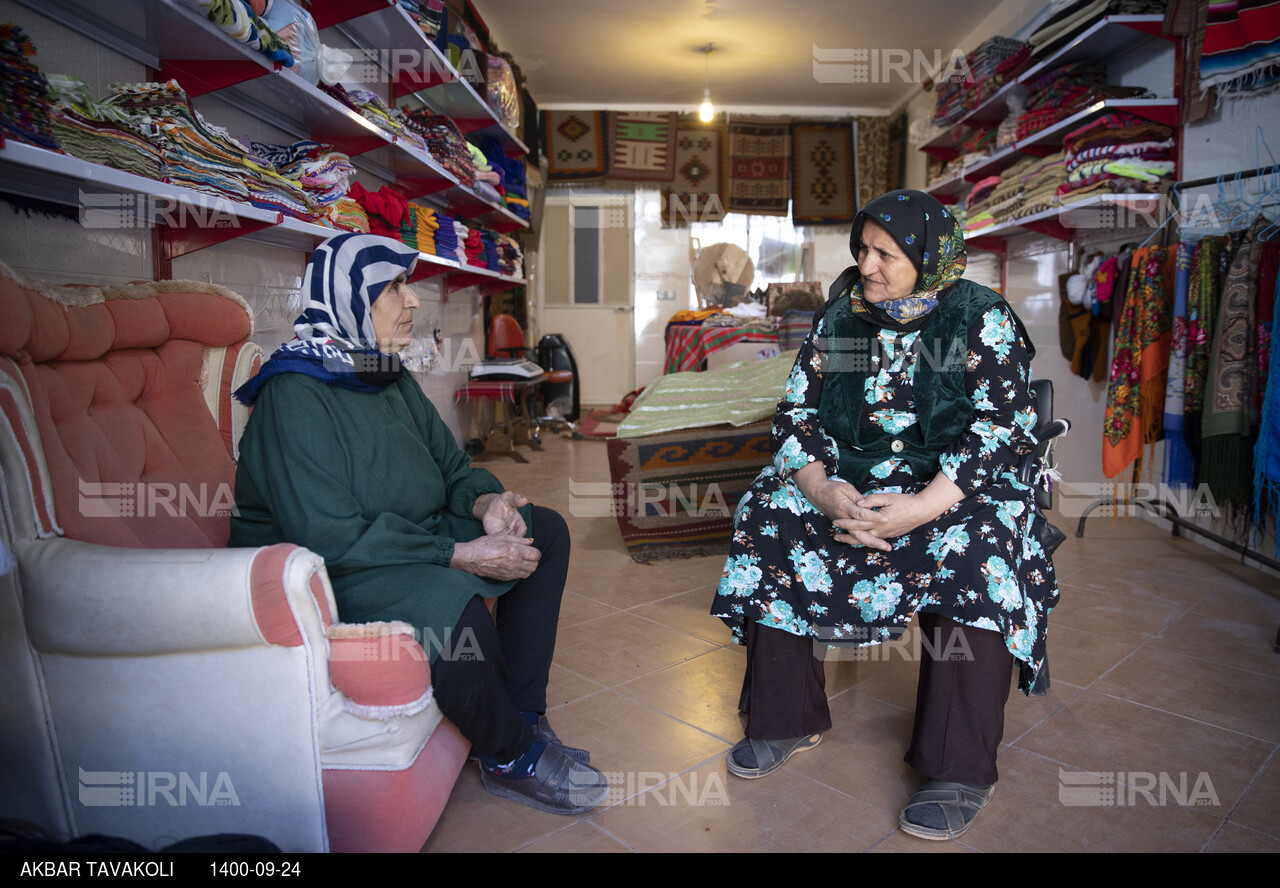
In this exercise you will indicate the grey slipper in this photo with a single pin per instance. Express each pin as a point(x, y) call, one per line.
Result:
point(542, 731)
point(752, 758)
point(954, 807)
point(559, 785)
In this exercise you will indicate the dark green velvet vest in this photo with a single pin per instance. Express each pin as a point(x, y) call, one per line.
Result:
point(943, 407)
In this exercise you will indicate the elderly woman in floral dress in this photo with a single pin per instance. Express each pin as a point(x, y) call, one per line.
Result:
point(893, 493)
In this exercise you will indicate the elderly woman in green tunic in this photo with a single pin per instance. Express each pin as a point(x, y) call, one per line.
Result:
point(344, 455)
point(893, 493)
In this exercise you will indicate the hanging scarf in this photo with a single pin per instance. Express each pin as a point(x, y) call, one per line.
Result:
point(1233, 377)
point(1266, 452)
point(929, 236)
point(335, 340)
point(1179, 468)
point(1139, 370)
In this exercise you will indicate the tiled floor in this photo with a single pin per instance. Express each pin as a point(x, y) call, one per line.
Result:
point(1164, 679)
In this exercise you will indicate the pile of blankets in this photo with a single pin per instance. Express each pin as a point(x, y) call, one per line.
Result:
point(204, 157)
point(322, 171)
point(445, 143)
point(1116, 153)
point(1070, 17)
point(24, 92)
point(102, 133)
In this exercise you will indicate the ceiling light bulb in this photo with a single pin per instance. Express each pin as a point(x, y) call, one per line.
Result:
point(706, 112)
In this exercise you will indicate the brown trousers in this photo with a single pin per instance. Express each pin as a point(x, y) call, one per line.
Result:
point(965, 675)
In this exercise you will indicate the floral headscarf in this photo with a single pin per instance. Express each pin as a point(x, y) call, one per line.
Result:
point(929, 236)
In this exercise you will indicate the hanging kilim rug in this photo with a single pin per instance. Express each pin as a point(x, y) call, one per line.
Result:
point(822, 179)
point(697, 190)
point(575, 145)
point(759, 166)
point(643, 145)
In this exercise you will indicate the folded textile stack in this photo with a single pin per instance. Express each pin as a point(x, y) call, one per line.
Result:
point(348, 215)
point(24, 92)
point(385, 208)
point(444, 143)
point(473, 247)
point(409, 227)
point(428, 15)
point(239, 22)
point(1116, 153)
point(101, 133)
point(1006, 197)
point(1069, 17)
point(322, 171)
point(427, 225)
point(488, 184)
point(511, 172)
point(204, 157)
point(1040, 183)
point(489, 256)
point(981, 143)
point(979, 215)
point(446, 237)
point(994, 63)
point(950, 103)
point(510, 256)
point(1062, 92)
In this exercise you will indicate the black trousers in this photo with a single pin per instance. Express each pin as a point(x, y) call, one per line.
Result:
point(495, 669)
point(965, 674)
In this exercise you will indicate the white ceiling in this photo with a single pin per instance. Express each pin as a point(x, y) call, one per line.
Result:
point(647, 54)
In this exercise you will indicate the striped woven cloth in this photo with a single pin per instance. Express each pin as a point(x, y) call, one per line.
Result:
point(688, 347)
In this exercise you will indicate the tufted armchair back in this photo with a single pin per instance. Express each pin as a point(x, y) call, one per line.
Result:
point(128, 391)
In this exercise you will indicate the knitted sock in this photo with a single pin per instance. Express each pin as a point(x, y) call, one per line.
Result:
point(520, 767)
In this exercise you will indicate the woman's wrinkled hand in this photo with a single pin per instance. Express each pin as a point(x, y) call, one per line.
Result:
point(499, 514)
point(497, 557)
point(896, 514)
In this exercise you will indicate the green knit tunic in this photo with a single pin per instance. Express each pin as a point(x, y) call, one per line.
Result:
point(376, 485)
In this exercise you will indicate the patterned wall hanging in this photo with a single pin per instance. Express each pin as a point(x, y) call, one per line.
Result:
point(575, 145)
point(822, 189)
point(697, 191)
point(759, 166)
point(642, 145)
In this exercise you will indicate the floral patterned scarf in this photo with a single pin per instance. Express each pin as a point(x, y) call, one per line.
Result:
point(930, 237)
point(1139, 369)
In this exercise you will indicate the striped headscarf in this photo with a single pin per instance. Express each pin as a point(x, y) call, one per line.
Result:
point(344, 277)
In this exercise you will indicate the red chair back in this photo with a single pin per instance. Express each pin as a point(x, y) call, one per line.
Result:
point(506, 339)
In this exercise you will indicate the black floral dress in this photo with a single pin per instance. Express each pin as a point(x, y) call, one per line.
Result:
point(979, 563)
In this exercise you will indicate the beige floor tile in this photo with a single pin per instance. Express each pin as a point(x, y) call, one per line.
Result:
point(566, 687)
point(709, 809)
point(1233, 643)
point(575, 609)
point(632, 587)
point(627, 738)
point(581, 838)
point(1236, 840)
point(702, 692)
point(1080, 658)
point(1027, 813)
point(1260, 808)
point(1101, 734)
point(474, 820)
point(1199, 689)
point(1127, 615)
point(688, 612)
point(622, 647)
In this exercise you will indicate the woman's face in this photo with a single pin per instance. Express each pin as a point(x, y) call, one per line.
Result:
point(887, 273)
point(392, 314)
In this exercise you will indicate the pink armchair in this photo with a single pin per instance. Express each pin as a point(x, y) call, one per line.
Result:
point(154, 684)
